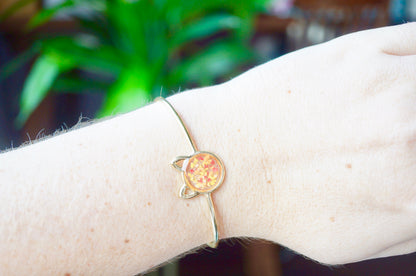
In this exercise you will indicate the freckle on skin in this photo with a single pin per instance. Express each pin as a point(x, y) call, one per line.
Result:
point(238, 130)
point(126, 241)
point(187, 204)
point(87, 196)
point(348, 166)
point(67, 274)
point(332, 219)
point(149, 203)
point(289, 91)
point(269, 181)
point(92, 230)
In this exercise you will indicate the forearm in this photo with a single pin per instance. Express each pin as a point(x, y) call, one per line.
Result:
point(315, 160)
point(102, 200)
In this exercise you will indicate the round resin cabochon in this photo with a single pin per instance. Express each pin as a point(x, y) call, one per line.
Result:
point(204, 172)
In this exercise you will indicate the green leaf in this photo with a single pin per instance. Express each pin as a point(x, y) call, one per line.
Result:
point(131, 41)
point(131, 91)
point(206, 26)
point(129, 20)
point(95, 24)
point(87, 56)
point(68, 84)
point(17, 62)
point(14, 8)
point(40, 79)
point(218, 60)
point(45, 15)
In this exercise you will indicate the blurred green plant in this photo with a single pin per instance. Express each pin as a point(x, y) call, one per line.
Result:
point(130, 49)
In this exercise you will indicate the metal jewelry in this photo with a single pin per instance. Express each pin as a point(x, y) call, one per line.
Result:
point(202, 173)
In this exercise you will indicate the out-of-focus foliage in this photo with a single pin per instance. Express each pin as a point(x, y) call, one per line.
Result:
point(130, 49)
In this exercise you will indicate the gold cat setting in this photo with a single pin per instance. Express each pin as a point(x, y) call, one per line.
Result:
point(202, 173)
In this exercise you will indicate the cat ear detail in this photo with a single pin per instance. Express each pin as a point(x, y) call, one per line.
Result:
point(178, 162)
point(202, 173)
point(185, 192)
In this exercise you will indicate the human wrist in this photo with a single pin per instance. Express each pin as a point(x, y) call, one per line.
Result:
point(264, 167)
point(218, 121)
point(204, 113)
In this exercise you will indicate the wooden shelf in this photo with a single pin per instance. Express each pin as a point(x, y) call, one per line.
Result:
point(267, 24)
point(22, 15)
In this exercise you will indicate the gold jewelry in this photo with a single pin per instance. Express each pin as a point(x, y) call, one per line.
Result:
point(202, 173)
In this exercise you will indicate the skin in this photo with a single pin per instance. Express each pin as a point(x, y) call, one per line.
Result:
point(319, 147)
point(337, 139)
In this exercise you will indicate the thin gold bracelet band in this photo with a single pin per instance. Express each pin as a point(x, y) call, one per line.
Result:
point(202, 173)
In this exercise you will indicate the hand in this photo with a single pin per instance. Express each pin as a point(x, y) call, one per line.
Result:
point(319, 148)
point(332, 129)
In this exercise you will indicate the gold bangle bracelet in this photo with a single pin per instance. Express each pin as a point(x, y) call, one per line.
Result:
point(202, 173)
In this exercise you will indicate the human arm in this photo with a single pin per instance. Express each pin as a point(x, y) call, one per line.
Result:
point(339, 144)
point(319, 151)
point(103, 199)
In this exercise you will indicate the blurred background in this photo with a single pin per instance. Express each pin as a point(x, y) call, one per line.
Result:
point(65, 61)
